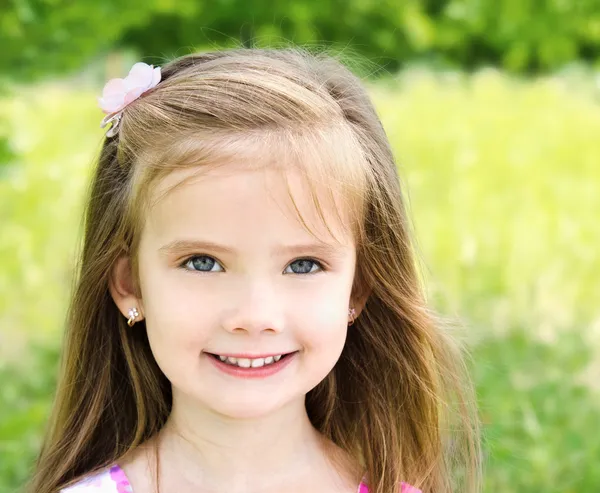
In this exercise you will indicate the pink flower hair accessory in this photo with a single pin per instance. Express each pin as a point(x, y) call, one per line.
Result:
point(118, 93)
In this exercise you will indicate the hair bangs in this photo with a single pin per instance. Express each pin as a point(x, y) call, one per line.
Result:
point(334, 171)
point(328, 158)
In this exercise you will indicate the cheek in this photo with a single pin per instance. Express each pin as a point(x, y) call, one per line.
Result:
point(176, 323)
point(172, 305)
point(325, 325)
point(322, 335)
point(327, 306)
point(322, 340)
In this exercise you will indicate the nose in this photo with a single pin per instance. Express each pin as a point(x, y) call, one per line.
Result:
point(257, 309)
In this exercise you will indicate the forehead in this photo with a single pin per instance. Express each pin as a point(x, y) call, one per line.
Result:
point(240, 201)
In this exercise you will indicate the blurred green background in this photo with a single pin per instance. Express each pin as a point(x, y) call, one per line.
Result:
point(492, 107)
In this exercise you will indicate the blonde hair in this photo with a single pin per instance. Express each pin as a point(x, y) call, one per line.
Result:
point(399, 399)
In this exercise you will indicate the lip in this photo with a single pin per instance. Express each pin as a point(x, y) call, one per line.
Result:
point(262, 372)
point(251, 356)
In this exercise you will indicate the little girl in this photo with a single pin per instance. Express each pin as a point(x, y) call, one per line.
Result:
point(248, 315)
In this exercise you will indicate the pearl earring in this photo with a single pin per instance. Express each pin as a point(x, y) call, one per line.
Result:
point(352, 314)
point(133, 314)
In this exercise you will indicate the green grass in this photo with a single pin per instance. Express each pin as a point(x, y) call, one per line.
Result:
point(503, 182)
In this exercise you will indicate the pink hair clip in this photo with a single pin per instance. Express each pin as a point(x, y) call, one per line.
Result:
point(118, 93)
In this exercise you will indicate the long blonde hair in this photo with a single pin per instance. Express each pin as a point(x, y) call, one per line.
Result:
point(399, 400)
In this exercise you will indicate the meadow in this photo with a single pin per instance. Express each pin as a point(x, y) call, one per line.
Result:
point(502, 178)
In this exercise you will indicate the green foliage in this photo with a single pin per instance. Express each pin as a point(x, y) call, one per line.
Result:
point(502, 179)
point(42, 37)
point(521, 36)
point(26, 394)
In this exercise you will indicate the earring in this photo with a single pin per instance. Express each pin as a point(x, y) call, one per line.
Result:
point(133, 314)
point(351, 313)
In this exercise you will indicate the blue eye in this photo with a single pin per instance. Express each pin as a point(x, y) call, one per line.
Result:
point(206, 263)
point(202, 263)
point(305, 266)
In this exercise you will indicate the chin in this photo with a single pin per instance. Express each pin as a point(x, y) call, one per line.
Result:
point(250, 407)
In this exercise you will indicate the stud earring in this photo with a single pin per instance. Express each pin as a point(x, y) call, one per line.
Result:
point(352, 314)
point(133, 314)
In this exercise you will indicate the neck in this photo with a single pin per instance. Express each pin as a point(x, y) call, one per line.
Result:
point(213, 452)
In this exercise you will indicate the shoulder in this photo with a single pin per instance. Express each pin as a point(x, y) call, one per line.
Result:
point(109, 480)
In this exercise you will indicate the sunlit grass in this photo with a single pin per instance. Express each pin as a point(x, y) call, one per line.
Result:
point(503, 179)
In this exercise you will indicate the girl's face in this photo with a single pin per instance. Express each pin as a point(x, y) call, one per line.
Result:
point(227, 269)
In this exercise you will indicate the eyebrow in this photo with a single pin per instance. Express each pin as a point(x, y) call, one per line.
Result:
point(181, 246)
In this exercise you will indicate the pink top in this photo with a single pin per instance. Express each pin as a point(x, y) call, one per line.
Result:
point(113, 480)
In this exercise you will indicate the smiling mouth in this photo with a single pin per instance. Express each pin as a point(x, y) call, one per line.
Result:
point(250, 362)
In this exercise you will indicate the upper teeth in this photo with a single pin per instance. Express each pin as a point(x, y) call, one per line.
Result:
point(247, 362)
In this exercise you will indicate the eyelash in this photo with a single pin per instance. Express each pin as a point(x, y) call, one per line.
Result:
point(321, 265)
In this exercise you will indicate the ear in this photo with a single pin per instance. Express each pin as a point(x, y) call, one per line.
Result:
point(122, 287)
point(358, 300)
